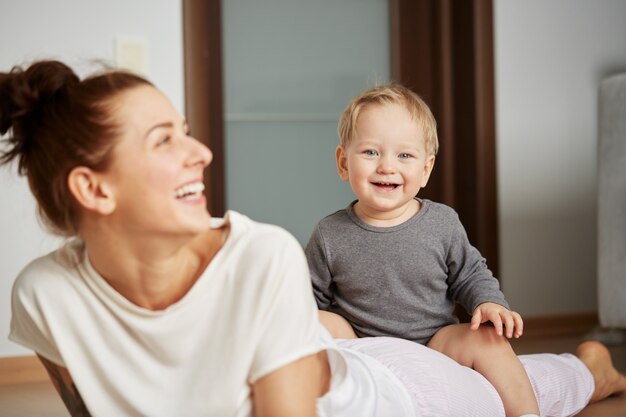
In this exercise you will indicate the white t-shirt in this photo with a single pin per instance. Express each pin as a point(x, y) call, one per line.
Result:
point(251, 312)
point(361, 386)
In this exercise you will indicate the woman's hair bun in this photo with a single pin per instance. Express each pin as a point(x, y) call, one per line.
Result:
point(56, 122)
point(24, 92)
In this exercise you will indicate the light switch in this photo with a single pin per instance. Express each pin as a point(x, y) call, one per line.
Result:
point(131, 53)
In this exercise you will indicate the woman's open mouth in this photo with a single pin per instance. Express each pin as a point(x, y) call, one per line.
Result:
point(189, 191)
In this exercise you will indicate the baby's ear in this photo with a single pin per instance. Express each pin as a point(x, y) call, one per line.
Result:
point(342, 162)
point(428, 169)
point(90, 191)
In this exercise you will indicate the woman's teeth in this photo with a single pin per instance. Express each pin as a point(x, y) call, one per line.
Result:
point(189, 190)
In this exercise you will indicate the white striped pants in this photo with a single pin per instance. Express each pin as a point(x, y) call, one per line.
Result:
point(441, 387)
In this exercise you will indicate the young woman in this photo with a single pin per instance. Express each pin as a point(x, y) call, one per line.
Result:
point(153, 308)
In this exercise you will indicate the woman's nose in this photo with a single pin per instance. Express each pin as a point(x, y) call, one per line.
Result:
point(199, 153)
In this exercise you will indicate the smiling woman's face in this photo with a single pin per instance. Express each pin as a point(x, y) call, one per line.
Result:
point(156, 169)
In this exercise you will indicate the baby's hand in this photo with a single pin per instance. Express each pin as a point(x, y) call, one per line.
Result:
point(499, 316)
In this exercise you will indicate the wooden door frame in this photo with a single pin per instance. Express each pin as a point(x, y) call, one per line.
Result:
point(204, 90)
point(443, 50)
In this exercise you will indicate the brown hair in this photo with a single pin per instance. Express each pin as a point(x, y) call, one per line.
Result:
point(389, 94)
point(57, 122)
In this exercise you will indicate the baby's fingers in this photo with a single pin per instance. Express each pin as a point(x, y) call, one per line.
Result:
point(497, 323)
point(509, 325)
point(477, 318)
point(519, 324)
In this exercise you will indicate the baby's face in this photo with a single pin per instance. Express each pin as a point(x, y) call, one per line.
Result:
point(386, 163)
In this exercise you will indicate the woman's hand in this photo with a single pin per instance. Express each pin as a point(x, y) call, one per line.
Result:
point(500, 316)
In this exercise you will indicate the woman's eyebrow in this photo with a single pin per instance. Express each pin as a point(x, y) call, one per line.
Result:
point(164, 125)
point(167, 125)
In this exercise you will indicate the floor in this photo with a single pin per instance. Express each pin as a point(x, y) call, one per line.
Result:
point(31, 400)
point(40, 399)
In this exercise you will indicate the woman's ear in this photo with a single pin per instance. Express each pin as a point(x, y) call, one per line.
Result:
point(90, 191)
point(342, 162)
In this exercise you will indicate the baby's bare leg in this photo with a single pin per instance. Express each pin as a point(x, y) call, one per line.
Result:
point(337, 326)
point(607, 379)
point(493, 357)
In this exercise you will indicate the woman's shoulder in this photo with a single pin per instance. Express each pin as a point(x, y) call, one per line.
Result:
point(264, 260)
point(259, 235)
point(50, 272)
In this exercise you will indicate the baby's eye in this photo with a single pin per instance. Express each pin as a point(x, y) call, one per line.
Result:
point(370, 152)
point(405, 155)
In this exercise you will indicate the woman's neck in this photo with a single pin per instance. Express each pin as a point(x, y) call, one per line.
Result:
point(152, 272)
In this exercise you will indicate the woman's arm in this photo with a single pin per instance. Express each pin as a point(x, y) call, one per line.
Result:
point(293, 389)
point(65, 387)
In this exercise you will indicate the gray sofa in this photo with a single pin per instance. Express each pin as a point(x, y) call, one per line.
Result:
point(612, 203)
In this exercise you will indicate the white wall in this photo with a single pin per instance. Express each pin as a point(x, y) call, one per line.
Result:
point(77, 32)
point(550, 57)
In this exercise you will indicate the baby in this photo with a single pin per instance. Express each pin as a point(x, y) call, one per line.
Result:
point(392, 264)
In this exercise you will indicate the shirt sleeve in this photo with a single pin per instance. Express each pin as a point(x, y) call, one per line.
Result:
point(29, 325)
point(286, 320)
point(470, 281)
point(321, 277)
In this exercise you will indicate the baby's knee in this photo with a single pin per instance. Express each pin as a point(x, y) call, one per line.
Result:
point(488, 342)
point(337, 326)
point(483, 346)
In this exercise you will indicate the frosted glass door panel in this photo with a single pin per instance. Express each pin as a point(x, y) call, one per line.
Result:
point(290, 67)
point(284, 173)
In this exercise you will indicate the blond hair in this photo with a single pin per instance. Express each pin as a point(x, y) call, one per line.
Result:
point(389, 94)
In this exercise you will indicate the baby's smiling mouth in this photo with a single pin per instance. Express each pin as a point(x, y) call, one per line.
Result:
point(387, 186)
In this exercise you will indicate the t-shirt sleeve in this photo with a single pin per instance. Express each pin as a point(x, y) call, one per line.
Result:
point(29, 325)
point(321, 278)
point(470, 281)
point(286, 320)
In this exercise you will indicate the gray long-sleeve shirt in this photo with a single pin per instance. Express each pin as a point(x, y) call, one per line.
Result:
point(400, 281)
